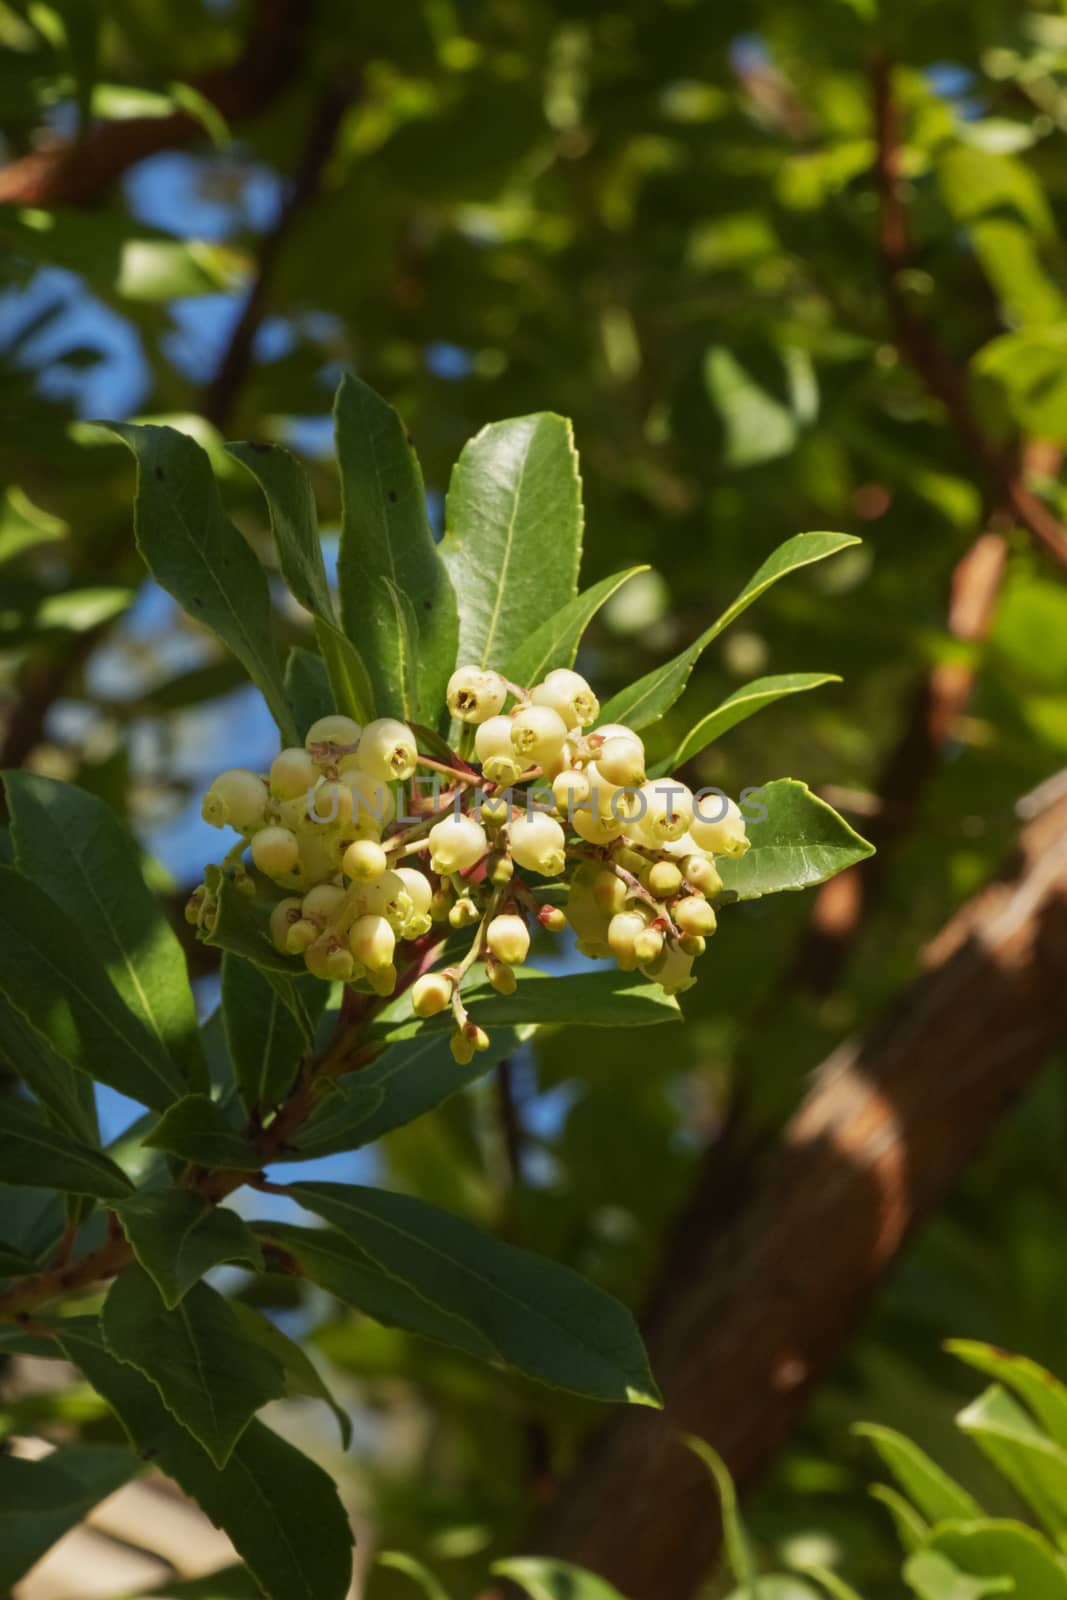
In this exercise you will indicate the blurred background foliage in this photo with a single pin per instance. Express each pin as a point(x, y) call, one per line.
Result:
point(786, 265)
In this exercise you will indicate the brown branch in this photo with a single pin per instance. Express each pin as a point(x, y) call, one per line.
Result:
point(768, 1301)
point(918, 341)
point(76, 172)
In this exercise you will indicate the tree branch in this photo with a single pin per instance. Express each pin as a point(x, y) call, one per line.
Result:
point(767, 1301)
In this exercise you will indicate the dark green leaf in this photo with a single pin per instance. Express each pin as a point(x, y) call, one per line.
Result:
point(544, 1579)
point(738, 707)
point(13, 1264)
point(802, 841)
point(177, 1237)
point(922, 1480)
point(41, 1500)
point(37, 1155)
point(242, 925)
point(196, 1129)
point(388, 556)
point(193, 550)
point(51, 975)
point(266, 1042)
point(66, 1092)
point(74, 848)
point(646, 700)
point(537, 1315)
point(514, 533)
point(555, 642)
point(280, 1510)
point(307, 688)
point(302, 1377)
point(210, 1376)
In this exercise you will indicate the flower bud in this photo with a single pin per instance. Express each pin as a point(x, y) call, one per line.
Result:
point(694, 915)
point(332, 803)
point(335, 730)
point(608, 890)
point(300, 935)
point(386, 897)
point(431, 994)
point(495, 751)
point(664, 879)
point(462, 1048)
point(596, 829)
point(570, 788)
point(419, 888)
point(624, 929)
point(501, 977)
point(373, 806)
point(501, 870)
point(648, 945)
point(282, 918)
point(568, 694)
point(552, 918)
point(292, 773)
point(538, 843)
point(672, 969)
point(508, 938)
point(276, 851)
point(492, 811)
point(319, 855)
point(668, 811)
point(538, 733)
point(725, 835)
point(387, 750)
point(372, 942)
point(692, 944)
point(701, 872)
point(383, 979)
point(320, 957)
point(456, 843)
point(440, 905)
point(364, 861)
point(622, 761)
point(475, 695)
point(463, 913)
point(322, 903)
point(238, 798)
point(340, 967)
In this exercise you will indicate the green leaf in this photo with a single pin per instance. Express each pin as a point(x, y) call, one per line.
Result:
point(307, 688)
point(934, 1578)
point(265, 1040)
point(66, 1092)
point(734, 1537)
point(209, 1375)
point(758, 426)
point(388, 560)
point(835, 1586)
point(1002, 1548)
point(53, 978)
point(194, 551)
point(294, 524)
point(41, 1500)
point(177, 1237)
point(302, 1377)
point(738, 707)
point(544, 1579)
point(196, 1129)
point(337, 1264)
point(537, 1315)
point(514, 533)
point(13, 1264)
point(37, 1155)
point(410, 1078)
point(646, 700)
point(397, 1561)
point(776, 1586)
point(280, 1510)
point(922, 1480)
point(242, 925)
point(555, 642)
point(802, 841)
point(603, 997)
point(1045, 1395)
point(74, 848)
point(1017, 1447)
point(911, 1529)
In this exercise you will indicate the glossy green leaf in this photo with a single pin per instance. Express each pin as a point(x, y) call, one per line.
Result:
point(544, 1579)
point(513, 543)
point(388, 561)
point(1045, 1395)
point(738, 707)
point(801, 841)
point(52, 976)
point(67, 1093)
point(41, 1500)
point(74, 848)
point(1032, 1463)
point(734, 1536)
point(281, 1511)
point(210, 1376)
point(36, 1154)
point(646, 700)
point(410, 1078)
point(307, 688)
point(1002, 1548)
point(196, 1129)
point(242, 925)
point(555, 643)
point(177, 1237)
point(537, 1315)
point(265, 1040)
point(302, 1377)
point(933, 1577)
point(194, 551)
point(294, 524)
point(922, 1480)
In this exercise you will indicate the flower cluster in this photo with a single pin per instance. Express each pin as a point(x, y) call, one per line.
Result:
point(385, 849)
